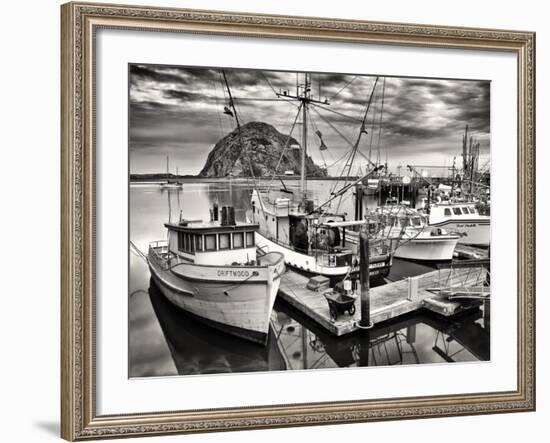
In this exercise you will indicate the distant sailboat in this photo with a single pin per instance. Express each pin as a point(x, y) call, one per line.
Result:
point(170, 184)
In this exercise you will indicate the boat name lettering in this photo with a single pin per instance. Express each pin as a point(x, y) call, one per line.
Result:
point(468, 225)
point(233, 273)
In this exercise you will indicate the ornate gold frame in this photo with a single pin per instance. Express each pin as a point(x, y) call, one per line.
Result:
point(79, 420)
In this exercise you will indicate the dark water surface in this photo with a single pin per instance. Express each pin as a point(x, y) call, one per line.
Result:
point(164, 340)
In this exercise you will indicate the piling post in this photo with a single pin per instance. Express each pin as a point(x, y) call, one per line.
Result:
point(364, 348)
point(364, 251)
point(359, 202)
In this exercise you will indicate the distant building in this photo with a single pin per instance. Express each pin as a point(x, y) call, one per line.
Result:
point(289, 172)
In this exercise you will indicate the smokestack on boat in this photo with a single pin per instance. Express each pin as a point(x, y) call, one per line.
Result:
point(215, 211)
point(228, 216)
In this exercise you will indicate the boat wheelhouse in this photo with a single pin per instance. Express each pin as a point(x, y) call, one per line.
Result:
point(463, 218)
point(313, 243)
point(212, 270)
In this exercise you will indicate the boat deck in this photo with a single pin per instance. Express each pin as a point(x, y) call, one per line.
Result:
point(387, 301)
point(470, 252)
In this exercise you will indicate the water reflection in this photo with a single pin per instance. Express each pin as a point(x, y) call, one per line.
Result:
point(295, 343)
point(412, 339)
point(163, 340)
point(199, 349)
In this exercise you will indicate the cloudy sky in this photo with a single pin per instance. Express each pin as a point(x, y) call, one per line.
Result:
point(178, 112)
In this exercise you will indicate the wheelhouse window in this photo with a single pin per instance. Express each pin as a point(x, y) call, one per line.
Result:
point(457, 211)
point(238, 240)
point(465, 210)
point(249, 239)
point(225, 241)
point(186, 242)
point(210, 242)
point(447, 212)
point(198, 243)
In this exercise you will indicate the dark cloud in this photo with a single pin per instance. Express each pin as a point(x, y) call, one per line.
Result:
point(139, 72)
point(176, 107)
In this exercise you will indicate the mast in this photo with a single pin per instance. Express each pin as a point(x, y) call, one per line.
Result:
point(305, 99)
point(303, 189)
point(232, 111)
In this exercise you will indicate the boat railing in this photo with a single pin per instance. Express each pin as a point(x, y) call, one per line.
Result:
point(159, 248)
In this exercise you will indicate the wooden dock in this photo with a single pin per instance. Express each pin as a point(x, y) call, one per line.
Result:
point(386, 302)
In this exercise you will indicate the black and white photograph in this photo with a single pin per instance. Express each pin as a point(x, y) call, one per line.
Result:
point(306, 220)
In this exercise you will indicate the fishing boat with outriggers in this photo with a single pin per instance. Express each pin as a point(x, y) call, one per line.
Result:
point(312, 235)
point(212, 270)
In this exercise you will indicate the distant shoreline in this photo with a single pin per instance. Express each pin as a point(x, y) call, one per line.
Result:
point(189, 179)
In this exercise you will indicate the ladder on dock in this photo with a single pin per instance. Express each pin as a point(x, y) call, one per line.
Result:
point(474, 285)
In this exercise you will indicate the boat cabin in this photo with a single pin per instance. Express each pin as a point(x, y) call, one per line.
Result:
point(295, 225)
point(213, 242)
point(454, 211)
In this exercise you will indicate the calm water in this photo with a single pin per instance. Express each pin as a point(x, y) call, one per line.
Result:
point(163, 340)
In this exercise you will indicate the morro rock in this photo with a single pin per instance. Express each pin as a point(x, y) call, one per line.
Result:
point(258, 146)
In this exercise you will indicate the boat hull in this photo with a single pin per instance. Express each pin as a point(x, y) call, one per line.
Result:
point(475, 233)
point(427, 249)
point(308, 265)
point(239, 306)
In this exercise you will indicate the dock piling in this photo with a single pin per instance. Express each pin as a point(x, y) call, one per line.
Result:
point(364, 251)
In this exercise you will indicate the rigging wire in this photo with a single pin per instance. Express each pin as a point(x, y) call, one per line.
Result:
point(380, 121)
point(220, 121)
point(341, 114)
point(232, 104)
point(344, 87)
point(349, 142)
point(353, 153)
point(285, 147)
point(373, 124)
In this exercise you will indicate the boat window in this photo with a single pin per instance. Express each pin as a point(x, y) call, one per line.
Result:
point(224, 241)
point(416, 221)
point(238, 240)
point(210, 242)
point(189, 247)
point(457, 211)
point(465, 210)
point(447, 212)
point(249, 239)
point(192, 243)
point(198, 243)
point(180, 241)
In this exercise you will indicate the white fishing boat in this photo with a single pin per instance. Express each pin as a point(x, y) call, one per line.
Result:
point(418, 240)
point(312, 243)
point(463, 218)
point(308, 233)
point(414, 238)
point(212, 270)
